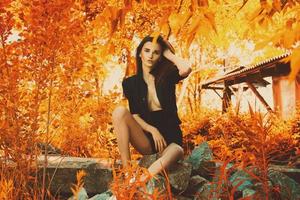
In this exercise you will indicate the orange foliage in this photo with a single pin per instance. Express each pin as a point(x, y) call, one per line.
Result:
point(250, 142)
point(80, 182)
point(229, 135)
point(127, 185)
point(51, 76)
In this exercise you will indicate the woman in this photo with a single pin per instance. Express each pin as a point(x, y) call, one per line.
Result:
point(152, 125)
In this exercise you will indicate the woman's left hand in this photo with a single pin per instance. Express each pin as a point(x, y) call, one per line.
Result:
point(168, 54)
point(169, 46)
point(184, 66)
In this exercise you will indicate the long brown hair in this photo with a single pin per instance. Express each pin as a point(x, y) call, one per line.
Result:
point(163, 66)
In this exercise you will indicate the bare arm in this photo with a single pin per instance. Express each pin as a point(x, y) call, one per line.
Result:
point(184, 66)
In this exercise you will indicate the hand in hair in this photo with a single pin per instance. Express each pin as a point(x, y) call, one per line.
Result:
point(168, 54)
point(169, 46)
point(184, 66)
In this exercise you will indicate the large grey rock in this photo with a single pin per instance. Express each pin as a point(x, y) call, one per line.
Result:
point(221, 168)
point(204, 193)
point(103, 196)
point(147, 160)
point(179, 176)
point(158, 183)
point(248, 193)
point(241, 180)
point(196, 184)
point(289, 189)
point(293, 173)
point(180, 197)
point(297, 163)
point(61, 174)
point(82, 195)
point(178, 173)
point(201, 160)
point(50, 149)
point(261, 190)
point(227, 176)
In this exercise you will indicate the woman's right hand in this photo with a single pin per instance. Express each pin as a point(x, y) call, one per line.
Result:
point(159, 141)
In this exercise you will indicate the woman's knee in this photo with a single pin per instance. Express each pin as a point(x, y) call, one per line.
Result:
point(178, 149)
point(119, 113)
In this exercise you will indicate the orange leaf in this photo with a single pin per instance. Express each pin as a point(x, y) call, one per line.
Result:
point(195, 24)
point(128, 3)
point(288, 38)
point(165, 29)
point(244, 3)
point(295, 64)
point(255, 14)
point(210, 16)
point(177, 21)
point(290, 22)
point(203, 3)
point(277, 5)
point(155, 36)
point(194, 5)
point(263, 3)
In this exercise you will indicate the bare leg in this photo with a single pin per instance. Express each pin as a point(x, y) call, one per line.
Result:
point(170, 155)
point(128, 130)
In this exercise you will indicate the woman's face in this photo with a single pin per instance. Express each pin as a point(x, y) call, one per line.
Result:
point(150, 54)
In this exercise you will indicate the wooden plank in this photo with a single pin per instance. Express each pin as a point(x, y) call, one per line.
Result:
point(217, 94)
point(213, 88)
point(226, 100)
point(262, 100)
point(271, 69)
point(277, 95)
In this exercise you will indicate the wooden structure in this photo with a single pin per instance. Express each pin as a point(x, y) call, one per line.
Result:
point(253, 77)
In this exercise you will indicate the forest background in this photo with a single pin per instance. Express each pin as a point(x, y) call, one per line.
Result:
point(57, 59)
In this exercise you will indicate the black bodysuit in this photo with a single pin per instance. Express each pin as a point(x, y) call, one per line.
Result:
point(165, 120)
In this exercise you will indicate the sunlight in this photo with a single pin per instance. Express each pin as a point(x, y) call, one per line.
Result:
point(14, 36)
point(112, 82)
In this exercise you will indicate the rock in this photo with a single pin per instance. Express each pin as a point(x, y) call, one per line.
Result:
point(179, 176)
point(195, 185)
point(229, 170)
point(61, 174)
point(181, 198)
point(50, 149)
point(242, 179)
point(199, 154)
point(103, 196)
point(82, 195)
point(235, 178)
point(159, 182)
point(289, 189)
point(204, 192)
point(297, 163)
point(248, 192)
point(260, 191)
point(147, 160)
point(293, 173)
point(201, 160)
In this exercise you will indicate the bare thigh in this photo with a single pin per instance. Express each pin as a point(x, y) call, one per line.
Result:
point(137, 136)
